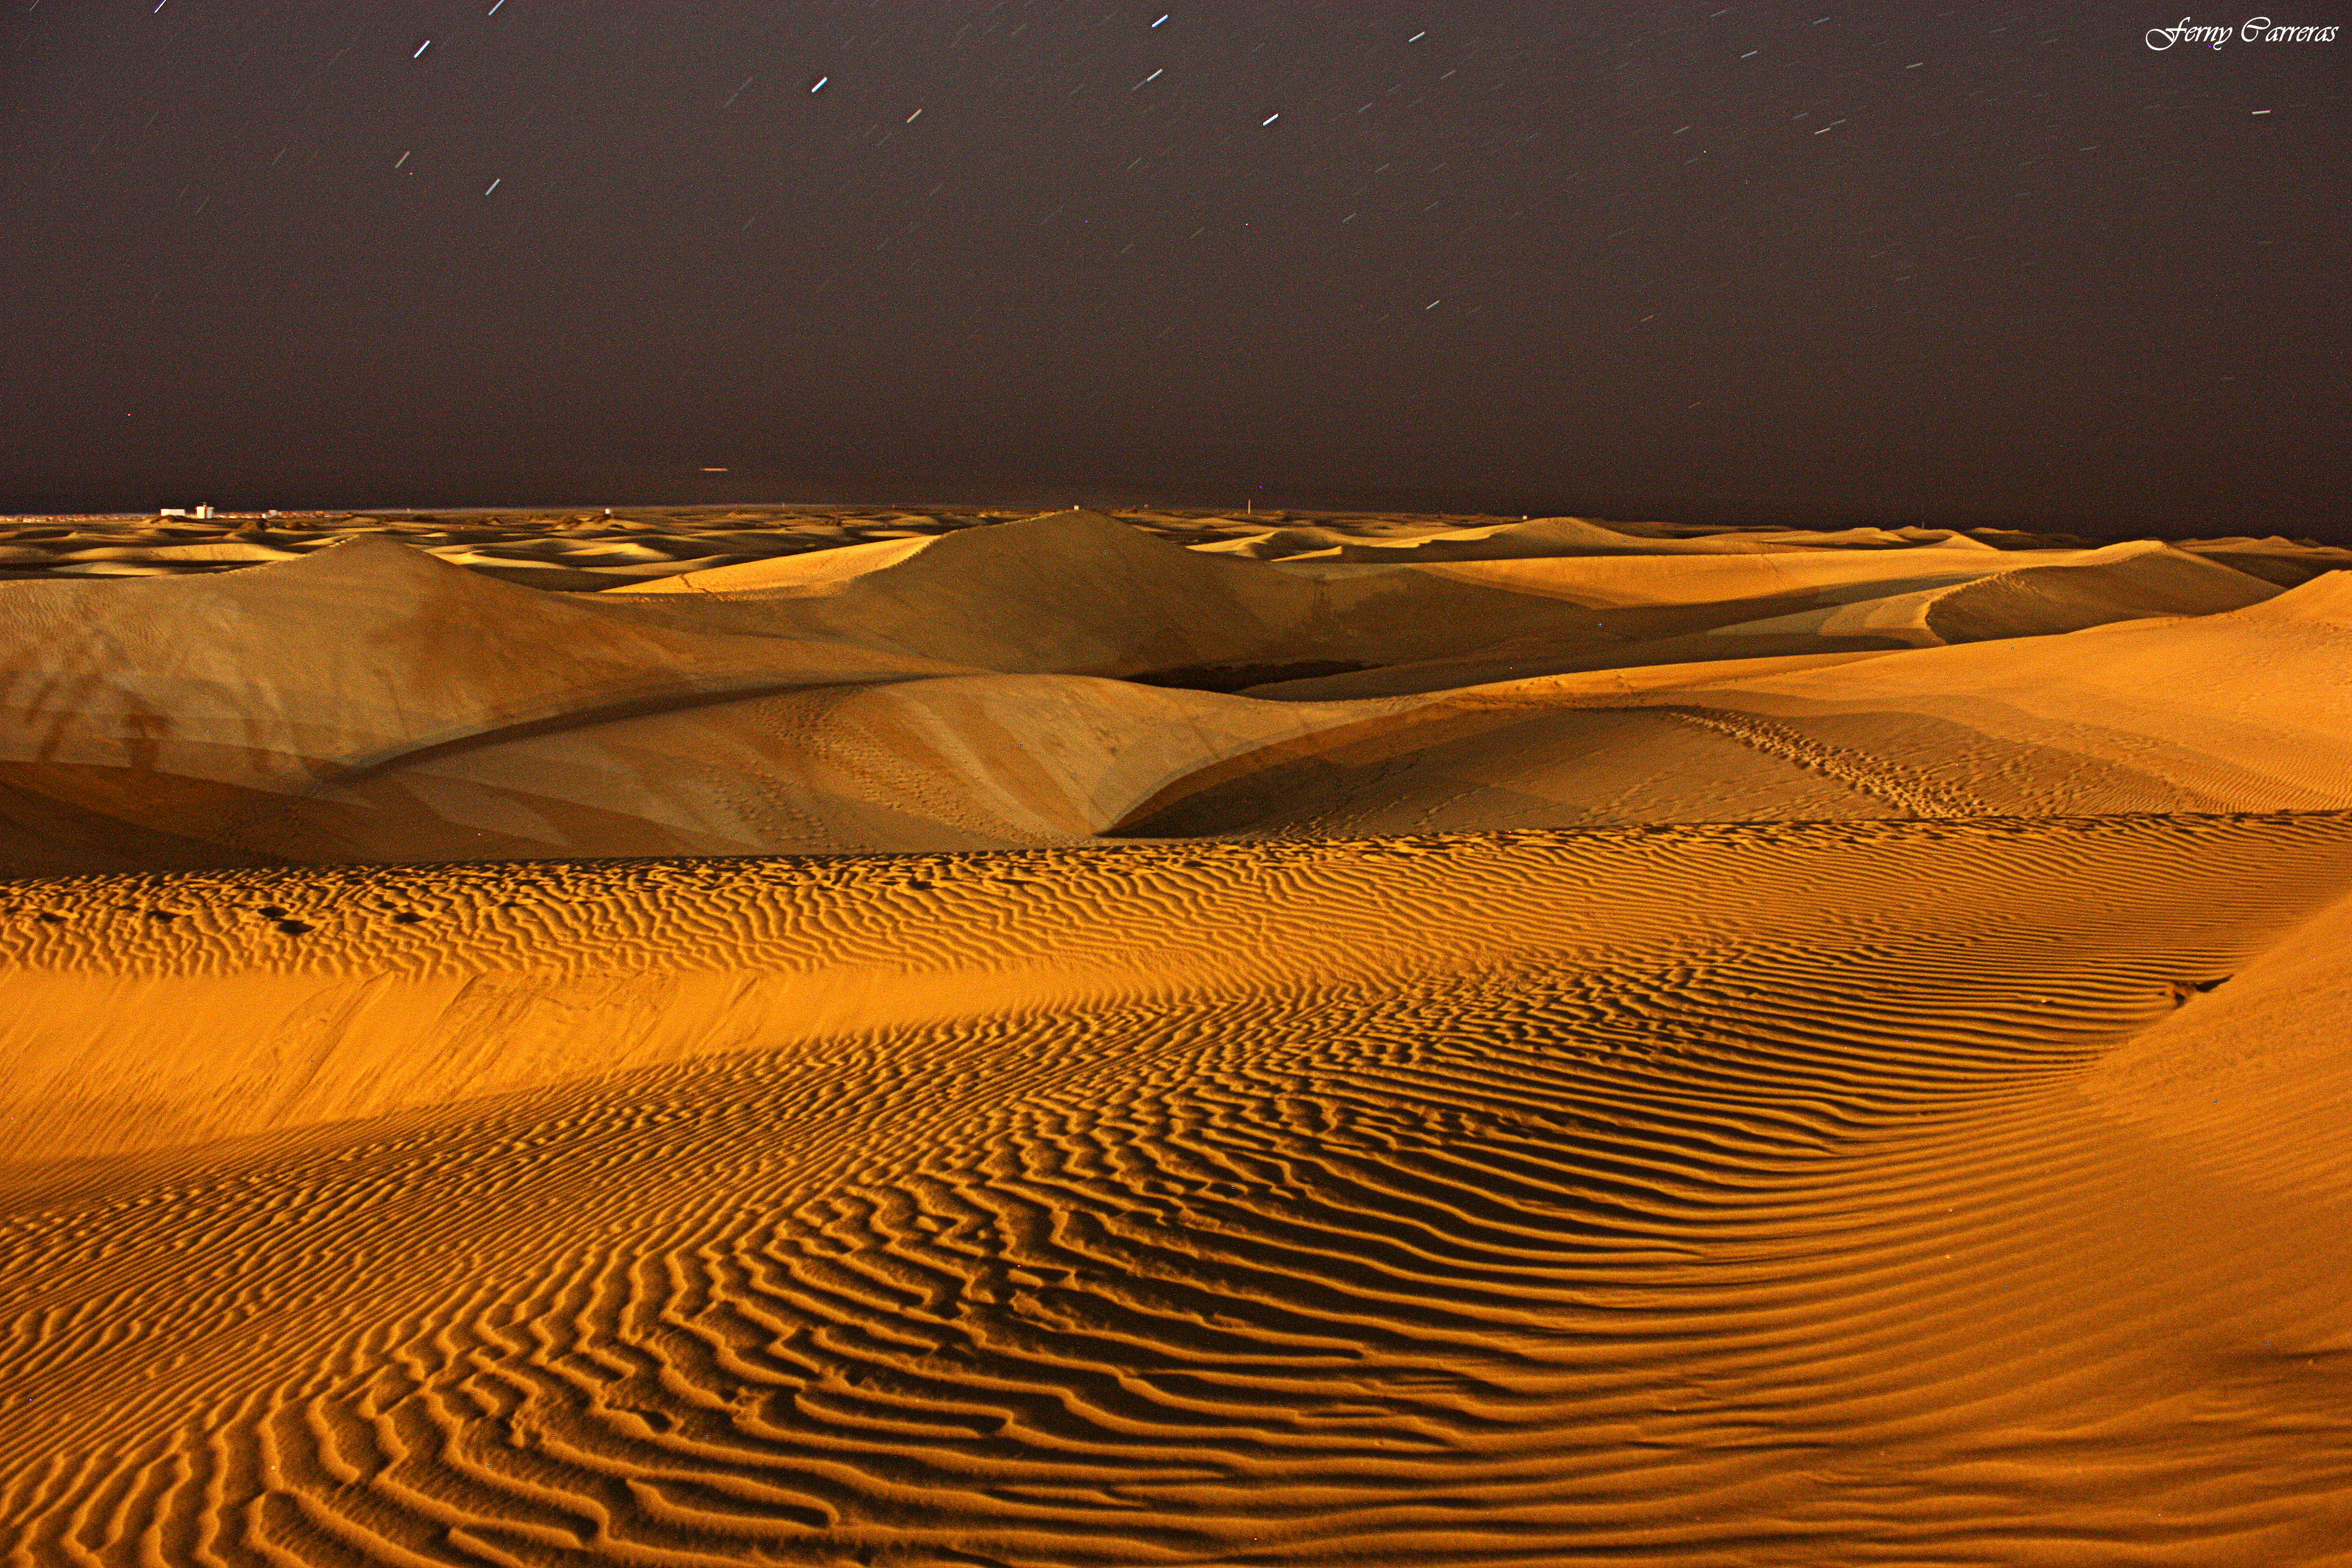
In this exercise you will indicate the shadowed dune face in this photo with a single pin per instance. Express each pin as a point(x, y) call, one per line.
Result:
point(908, 685)
point(692, 1039)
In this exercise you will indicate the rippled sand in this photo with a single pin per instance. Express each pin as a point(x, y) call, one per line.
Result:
point(1073, 1040)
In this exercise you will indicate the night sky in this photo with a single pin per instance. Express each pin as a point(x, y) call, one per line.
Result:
point(1767, 262)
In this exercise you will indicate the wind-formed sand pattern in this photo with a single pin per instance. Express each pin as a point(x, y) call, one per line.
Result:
point(1090, 1040)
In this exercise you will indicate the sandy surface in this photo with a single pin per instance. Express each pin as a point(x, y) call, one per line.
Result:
point(927, 1038)
point(1055, 679)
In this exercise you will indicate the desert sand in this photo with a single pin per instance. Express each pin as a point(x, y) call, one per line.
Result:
point(933, 1037)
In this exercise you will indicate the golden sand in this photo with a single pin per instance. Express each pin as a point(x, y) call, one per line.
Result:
point(736, 1074)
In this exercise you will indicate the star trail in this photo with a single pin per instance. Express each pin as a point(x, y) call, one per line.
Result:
point(1762, 262)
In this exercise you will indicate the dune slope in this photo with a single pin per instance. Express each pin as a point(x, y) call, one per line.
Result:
point(1021, 683)
point(2238, 710)
point(164, 710)
point(1703, 1195)
point(944, 1037)
point(1025, 683)
point(2018, 596)
point(977, 762)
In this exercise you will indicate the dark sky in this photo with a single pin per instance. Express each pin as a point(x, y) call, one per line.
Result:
point(1828, 262)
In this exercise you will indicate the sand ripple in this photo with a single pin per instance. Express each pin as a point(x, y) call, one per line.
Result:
point(1711, 1196)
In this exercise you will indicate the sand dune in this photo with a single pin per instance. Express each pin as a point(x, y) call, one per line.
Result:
point(1552, 536)
point(176, 707)
point(928, 1036)
point(2018, 598)
point(1026, 683)
point(1495, 1211)
point(588, 550)
point(961, 764)
point(2232, 711)
point(1079, 592)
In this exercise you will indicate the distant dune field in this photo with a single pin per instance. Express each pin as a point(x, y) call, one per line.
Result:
point(683, 1039)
